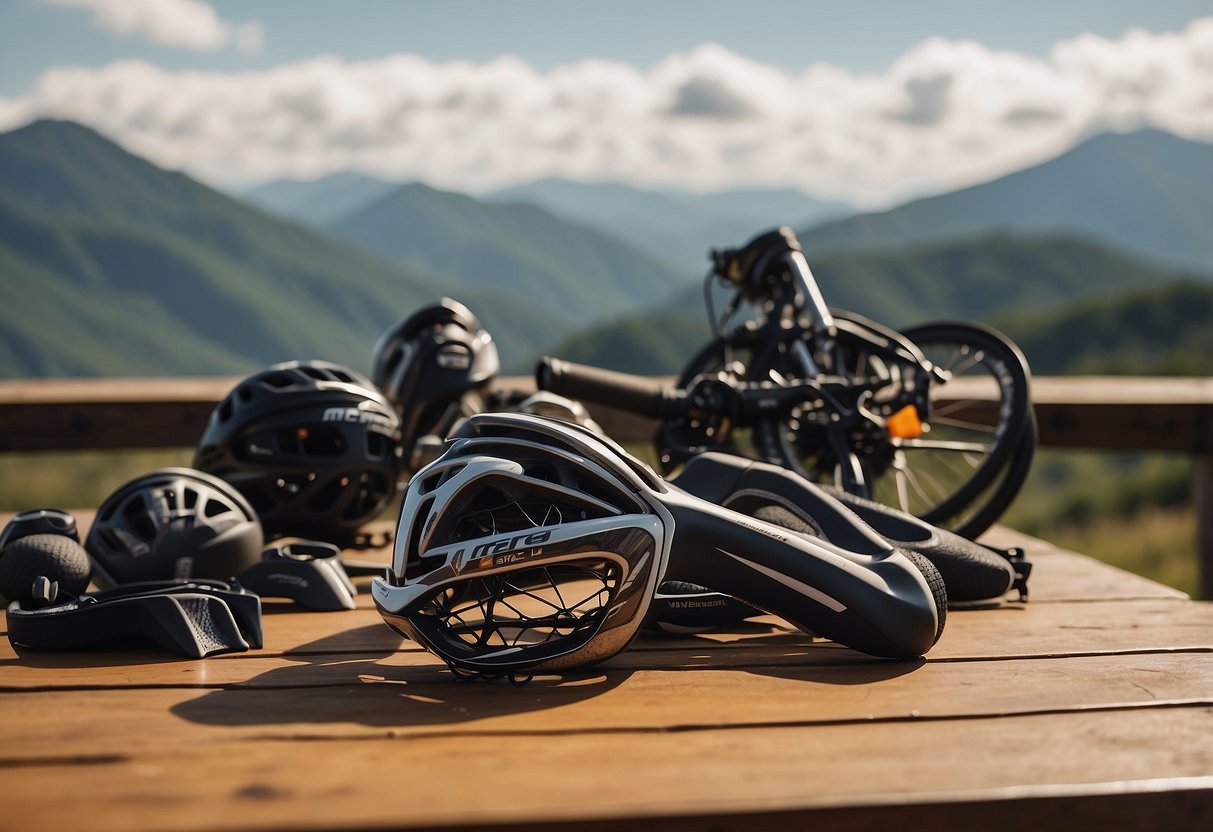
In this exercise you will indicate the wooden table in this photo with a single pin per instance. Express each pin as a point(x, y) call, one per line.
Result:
point(1091, 704)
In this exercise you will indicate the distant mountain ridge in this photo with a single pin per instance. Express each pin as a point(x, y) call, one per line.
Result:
point(1147, 193)
point(110, 265)
point(318, 202)
point(677, 226)
point(113, 266)
point(574, 273)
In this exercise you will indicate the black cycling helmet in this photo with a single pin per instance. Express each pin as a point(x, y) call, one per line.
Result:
point(533, 544)
point(311, 444)
point(428, 364)
point(173, 523)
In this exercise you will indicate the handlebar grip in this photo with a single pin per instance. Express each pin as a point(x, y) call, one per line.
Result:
point(634, 394)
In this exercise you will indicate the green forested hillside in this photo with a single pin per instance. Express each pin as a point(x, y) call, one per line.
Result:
point(1147, 193)
point(110, 265)
point(1166, 330)
point(648, 345)
point(977, 278)
point(573, 273)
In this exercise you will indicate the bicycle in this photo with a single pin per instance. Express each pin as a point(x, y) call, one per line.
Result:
point(837, 397)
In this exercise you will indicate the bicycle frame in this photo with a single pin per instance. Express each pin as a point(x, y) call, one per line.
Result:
point(792, 316)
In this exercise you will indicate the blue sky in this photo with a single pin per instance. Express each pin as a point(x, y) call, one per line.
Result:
point(863, 100)
point(860, 35)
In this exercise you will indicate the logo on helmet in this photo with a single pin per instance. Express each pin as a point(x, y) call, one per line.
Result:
point(454, 357)
point(507, 550)
point(358, 416)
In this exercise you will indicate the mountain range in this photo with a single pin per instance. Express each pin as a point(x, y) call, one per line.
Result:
point(677, 227)
point(1147, 193)
point(317, 202)
point(570, 272)
point(111, 265)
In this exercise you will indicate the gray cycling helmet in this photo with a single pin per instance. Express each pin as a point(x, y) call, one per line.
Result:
point(173, 523)
point(429, 364)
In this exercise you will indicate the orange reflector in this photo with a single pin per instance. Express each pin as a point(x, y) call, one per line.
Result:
point(904, 424)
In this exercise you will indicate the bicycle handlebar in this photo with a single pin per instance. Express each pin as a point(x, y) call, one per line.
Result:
point(742, 402)
point(635, 394)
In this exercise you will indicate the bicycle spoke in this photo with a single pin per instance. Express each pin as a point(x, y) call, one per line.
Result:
point(944, 445)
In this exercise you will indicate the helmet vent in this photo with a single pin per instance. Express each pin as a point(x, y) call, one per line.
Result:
point(214, 508)
point(313, 372)
point(191, 499)
point(529, 608)
point(371, 490)
point(225, 410)
point(316, 440)
point(135, 511)
point(414, 542)
point(429, 483)
point(391, 362)
point(243, 393)
point(327, 495)
point(277, 380)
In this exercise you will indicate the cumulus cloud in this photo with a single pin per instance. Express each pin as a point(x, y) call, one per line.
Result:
point(946, 114)
point(186, 24)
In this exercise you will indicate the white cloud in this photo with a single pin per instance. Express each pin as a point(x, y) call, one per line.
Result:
point(187, 24)
point(946, 114)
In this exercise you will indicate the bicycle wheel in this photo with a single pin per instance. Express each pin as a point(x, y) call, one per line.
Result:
point(987, 507)
point(956, 471)
point(968, 469)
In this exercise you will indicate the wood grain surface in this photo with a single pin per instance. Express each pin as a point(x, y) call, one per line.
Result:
point(1092, 704)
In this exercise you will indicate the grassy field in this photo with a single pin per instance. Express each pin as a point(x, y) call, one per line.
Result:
point(76, 479)
point(1133, 511)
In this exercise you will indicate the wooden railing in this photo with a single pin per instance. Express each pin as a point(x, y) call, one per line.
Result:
point(1108, 413)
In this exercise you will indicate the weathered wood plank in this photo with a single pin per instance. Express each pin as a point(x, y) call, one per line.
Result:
point(565, 778)
point(1044, 630)
point(335, 698)
point(1062, 575)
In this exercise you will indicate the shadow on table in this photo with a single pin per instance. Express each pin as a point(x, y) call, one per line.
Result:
point(372, 689)
point(322, 688)
point(762, 649)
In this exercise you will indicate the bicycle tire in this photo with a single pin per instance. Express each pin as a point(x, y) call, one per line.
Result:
point(979, 504)
point(988, 507)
